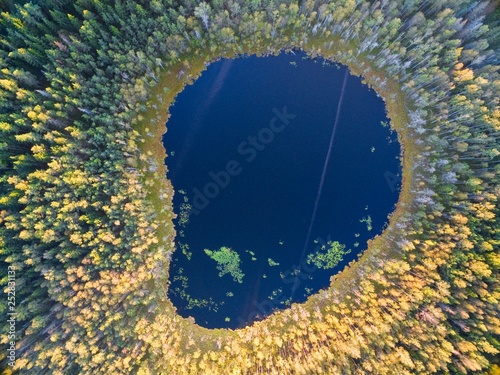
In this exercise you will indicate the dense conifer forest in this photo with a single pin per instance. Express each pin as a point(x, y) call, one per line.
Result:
point(85, 209)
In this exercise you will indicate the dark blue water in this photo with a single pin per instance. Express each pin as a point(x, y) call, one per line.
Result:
point(247, 144)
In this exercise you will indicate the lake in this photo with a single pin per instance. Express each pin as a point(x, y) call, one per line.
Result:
point(247, 148)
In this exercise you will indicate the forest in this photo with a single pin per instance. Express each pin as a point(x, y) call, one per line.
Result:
point(86, 233)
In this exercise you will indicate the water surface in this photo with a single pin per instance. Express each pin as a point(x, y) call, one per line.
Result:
point(247, 146)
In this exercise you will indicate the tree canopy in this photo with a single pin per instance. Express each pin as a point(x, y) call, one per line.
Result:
point(86, 213)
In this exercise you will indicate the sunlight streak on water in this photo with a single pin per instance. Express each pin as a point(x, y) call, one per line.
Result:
point(325, 166)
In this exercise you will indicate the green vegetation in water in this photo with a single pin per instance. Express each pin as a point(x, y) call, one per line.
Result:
point(228, 262)
point(181, 292)
point(329, 256)
point(254, 258)
point(272, 263)
point(185, 250)
point(368, 221)
point(185, 210)
point(275, 294)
